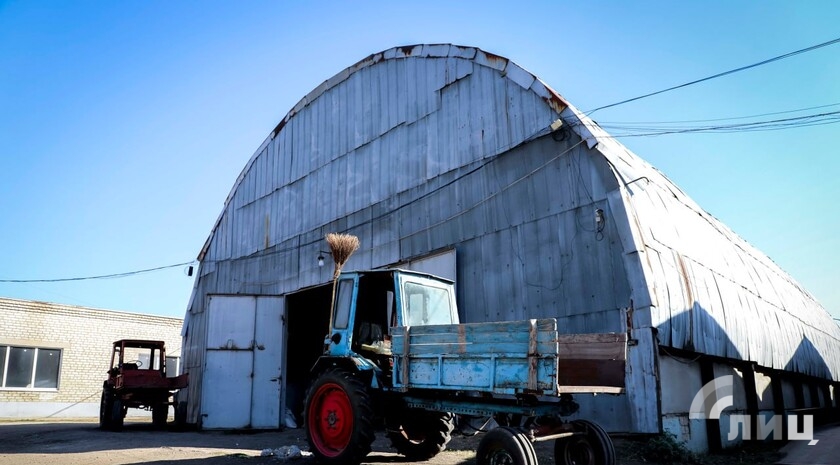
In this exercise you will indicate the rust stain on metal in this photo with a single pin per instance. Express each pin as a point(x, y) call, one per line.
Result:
point(367, 59)
point(462, 339)
point(407, 49)
point(278, 128)
point(267, 230)
point(689, 301)
point(493, 58)
point(532, 355)
point(404, 361)
point(556, 103)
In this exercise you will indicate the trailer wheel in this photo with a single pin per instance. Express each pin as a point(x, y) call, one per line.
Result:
point(420, 434)
point(105, 406)
point(505, 446)
point(160, 412)
point(594, 447)
point(338, 418)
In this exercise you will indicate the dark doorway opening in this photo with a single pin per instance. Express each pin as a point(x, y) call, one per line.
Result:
point(307, 324)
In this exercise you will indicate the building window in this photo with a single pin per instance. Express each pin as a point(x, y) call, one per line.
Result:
point(29, 367)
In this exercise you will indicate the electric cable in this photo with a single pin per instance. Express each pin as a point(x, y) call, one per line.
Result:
point(711, 120)
point(765, 125)
point(469, 171)
point(714, 76)
point(818, 119)
point(105, 276)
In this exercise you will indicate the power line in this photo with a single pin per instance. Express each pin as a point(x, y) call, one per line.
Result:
point(818, 119)
point(725, 73)
point(766, 125)
point(104, 276)
point(470, 171)
point(711, 120)
point(637, 130)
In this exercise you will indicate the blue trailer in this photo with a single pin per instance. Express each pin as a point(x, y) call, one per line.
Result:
point(397, 355)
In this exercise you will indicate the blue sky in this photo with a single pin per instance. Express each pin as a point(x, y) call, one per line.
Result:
point(123, 125)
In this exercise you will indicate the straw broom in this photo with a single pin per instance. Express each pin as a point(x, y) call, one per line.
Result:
point(342, 247)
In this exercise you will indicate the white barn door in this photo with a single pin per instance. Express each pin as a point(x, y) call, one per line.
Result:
point(269, 344)
point(242, 379)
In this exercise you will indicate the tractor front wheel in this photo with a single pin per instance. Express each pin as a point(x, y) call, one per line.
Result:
point(117, 415)
point(338, 418)
point(105, 406)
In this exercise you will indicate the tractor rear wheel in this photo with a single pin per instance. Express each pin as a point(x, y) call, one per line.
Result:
point(338, 418)
point(160, 412)
point(420, 434)
point(181, 414)
point(593, 447)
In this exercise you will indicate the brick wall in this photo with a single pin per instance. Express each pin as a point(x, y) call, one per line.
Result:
point(85, 337)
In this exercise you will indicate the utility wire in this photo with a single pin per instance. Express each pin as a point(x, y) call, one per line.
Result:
point(711, 120)
point(725, 73)
point(766, 125)
point(470, 171)
point(105, 276)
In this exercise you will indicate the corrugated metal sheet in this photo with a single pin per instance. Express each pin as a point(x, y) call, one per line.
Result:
point(714, 292)
point(427, 147)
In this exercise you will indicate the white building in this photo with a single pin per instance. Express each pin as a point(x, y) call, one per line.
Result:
point(54, 358)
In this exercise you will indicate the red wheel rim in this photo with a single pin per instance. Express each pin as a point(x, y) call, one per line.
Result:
point(330, 419)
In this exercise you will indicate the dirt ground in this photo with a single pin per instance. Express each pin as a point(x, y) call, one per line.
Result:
point(82, 443)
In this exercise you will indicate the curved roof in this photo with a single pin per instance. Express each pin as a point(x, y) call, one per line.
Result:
point(449, 74)
point(703, 287)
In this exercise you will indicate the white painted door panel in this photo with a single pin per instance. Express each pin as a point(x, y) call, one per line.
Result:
point(231, 324)
point(266, 404)
point(226, 391)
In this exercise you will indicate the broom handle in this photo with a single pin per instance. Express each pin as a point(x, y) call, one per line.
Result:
point(332, 307)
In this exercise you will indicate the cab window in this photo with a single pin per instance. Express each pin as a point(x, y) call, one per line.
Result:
point(426, 305)
point(345, 300)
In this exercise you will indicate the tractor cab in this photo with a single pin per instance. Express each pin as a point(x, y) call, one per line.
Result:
point(137, 379)
point(137, 360)
point(370, 304)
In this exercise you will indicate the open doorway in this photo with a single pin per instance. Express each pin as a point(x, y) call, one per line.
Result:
point(307, 323)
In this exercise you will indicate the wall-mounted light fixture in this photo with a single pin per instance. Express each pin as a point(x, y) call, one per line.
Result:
point(321, 257)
